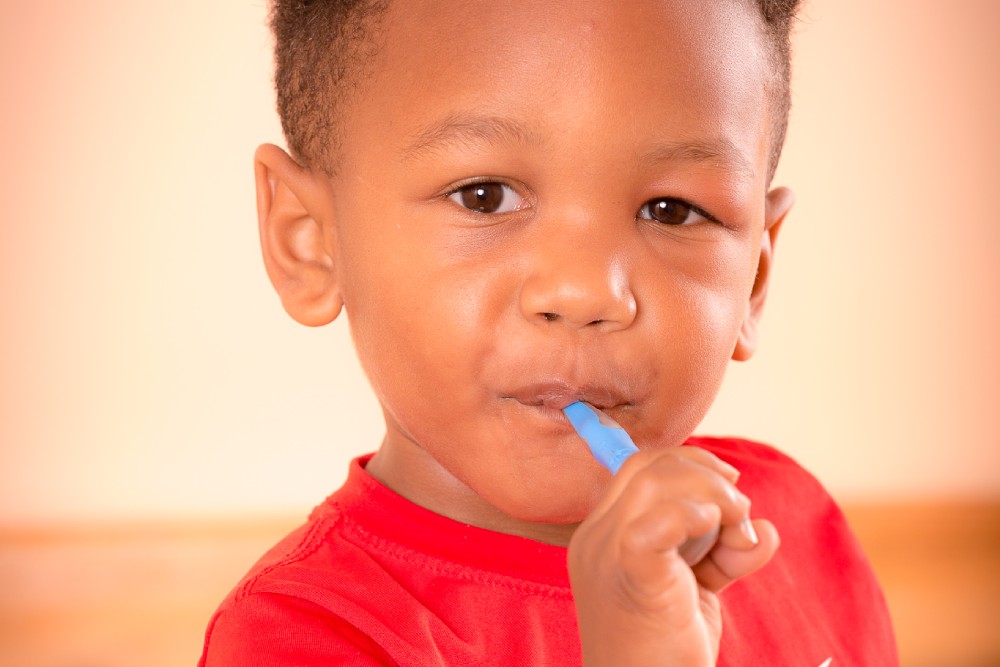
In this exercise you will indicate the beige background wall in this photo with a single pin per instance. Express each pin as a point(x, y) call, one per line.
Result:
point(147, 371)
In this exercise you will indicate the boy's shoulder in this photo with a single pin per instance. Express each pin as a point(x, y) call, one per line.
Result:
point(768, 476)
point(371, 574)
point(797, 604)
point(751, 453)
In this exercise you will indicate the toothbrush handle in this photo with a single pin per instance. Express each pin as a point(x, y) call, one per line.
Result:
point(609, 444)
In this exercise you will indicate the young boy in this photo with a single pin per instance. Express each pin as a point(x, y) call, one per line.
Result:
point(521, 204)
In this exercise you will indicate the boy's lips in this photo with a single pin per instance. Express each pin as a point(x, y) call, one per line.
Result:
point(557, 395)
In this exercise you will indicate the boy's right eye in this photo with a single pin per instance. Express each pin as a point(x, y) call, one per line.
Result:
point(487, 197)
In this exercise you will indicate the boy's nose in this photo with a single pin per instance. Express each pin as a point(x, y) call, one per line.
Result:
point(579, 283)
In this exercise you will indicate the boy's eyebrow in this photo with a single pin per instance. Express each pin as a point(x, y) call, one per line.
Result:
point(719, 153)
point(464, 128)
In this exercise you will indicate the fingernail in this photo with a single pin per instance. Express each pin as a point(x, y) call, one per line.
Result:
point(746, 527)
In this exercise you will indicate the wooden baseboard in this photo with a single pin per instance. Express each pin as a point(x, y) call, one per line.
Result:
point(141, 595)
point(120, 596)
point(939, 564)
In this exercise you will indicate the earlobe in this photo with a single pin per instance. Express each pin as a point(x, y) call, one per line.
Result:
point(294, 213)
point(777, 204)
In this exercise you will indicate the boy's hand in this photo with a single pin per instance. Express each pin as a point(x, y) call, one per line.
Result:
point(638, 602)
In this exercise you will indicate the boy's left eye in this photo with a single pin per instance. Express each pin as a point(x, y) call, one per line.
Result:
point(669, 211)
point(487, 197)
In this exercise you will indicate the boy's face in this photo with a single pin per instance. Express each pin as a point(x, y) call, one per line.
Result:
point(540, 202)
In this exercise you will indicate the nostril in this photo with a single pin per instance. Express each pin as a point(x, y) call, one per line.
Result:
point(596, 323)
point(550, 317)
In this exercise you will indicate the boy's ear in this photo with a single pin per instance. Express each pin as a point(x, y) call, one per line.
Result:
point(777, 204)
point(294, 213)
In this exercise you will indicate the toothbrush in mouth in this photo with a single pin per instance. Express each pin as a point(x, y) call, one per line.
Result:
point(611, 445)
point(608, 441)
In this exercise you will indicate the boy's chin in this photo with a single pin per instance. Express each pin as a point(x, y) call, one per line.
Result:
point(551, 508)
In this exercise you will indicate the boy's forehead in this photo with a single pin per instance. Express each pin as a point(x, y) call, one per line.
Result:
point(465, 33)
point(526, 71)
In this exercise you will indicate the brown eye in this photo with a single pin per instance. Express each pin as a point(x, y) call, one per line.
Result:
point(668, 211)
point(487, 198)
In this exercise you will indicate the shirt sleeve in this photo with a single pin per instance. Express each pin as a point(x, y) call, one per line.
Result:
point(274, 630)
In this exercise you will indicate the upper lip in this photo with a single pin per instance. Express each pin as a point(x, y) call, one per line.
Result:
point(557, 395)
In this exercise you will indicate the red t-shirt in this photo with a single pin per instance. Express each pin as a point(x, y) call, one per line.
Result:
point(372, 579)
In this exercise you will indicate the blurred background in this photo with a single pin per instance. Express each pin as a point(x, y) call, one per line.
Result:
point(162, 421)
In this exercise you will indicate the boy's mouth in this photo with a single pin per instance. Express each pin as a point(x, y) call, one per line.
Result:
point(557, 395)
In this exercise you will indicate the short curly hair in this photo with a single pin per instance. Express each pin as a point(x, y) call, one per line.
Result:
point(321, 46)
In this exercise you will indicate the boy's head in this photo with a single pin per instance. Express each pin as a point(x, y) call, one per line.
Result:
point(520, 204)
